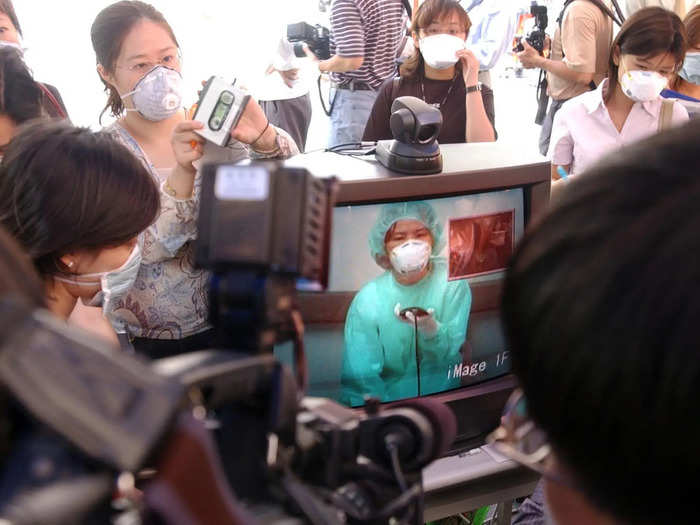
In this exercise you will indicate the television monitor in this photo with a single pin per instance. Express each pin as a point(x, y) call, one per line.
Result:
point(360, 342)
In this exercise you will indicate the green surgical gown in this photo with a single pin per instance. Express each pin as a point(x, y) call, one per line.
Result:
point(380, 350)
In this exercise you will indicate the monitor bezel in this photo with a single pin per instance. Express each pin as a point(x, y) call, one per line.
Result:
point(534, 179)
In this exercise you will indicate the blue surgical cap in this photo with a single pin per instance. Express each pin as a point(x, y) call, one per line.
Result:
point(396, 211)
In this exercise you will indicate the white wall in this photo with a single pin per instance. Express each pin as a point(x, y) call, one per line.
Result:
point(231, 38)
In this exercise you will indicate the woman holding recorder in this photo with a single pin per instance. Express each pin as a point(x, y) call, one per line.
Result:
point(139, 62)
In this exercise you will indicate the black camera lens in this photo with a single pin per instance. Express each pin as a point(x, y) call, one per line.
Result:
point(427, 134)
point(299, 50)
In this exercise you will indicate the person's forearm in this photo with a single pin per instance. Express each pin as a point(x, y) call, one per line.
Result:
point(555, 170)
point(560, 69)
point(284, 147)
point(180, 182)
point(479, 128)
point(340, 64)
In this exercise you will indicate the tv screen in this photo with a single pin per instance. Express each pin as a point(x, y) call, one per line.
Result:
point(411, 306)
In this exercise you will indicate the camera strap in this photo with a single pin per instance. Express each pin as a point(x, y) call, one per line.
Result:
point(542, 98)
point(618, 19)
point(408, 8)
point(328, 110)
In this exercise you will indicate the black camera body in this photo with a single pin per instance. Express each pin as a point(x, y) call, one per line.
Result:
point(415, 126)
point(537, 36)
point(317, 37)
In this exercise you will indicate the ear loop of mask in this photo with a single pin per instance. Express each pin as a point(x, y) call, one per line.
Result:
point(97, 275)
point(136, 88)
point(82, 283)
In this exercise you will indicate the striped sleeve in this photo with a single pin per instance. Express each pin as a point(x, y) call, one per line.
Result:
point(372, 29)
point(348, 30)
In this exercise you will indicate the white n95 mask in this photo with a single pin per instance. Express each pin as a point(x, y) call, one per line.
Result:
point(440, 51)
point(158, 95)
point(643, 86)
point(410, 257)
point(690, 71)
point(114, 283)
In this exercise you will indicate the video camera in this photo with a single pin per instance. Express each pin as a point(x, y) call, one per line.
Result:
point(261, 227)
point(536, 38)
point(317, 37)
point(319, 459)
point(414, 150)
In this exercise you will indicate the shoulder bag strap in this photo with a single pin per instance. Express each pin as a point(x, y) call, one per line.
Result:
point(618, 19)
point(395, 84)
point(55, 103)
point(408, 8)
point(665, 115)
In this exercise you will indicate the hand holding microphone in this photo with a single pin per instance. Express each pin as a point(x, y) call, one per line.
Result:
point(423, 320)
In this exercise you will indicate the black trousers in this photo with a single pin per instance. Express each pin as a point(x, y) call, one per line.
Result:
point(293, 116)
point(160, 348)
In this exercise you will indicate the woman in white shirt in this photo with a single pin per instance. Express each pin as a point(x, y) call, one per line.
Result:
point(627, 106)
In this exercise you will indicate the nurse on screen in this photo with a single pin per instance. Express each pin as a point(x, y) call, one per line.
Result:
point(381, 343)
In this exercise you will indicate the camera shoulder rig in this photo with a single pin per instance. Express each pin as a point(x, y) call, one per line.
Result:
point(110, 406)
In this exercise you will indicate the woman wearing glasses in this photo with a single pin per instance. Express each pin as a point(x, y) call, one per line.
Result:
point(443, 73)
point(138, 60)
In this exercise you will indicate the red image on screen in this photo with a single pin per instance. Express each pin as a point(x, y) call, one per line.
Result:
point(481, 244)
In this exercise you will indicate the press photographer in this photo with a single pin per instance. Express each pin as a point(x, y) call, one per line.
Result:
point(365, 39)
point(579, 55)
point(284, 90)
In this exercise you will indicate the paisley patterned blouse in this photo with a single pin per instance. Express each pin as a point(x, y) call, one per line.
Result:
point(169, 299)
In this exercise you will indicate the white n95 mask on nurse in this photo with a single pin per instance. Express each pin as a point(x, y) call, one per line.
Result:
point(440, 51)
point(158, 95)
point(410, 257)
point(642, 86)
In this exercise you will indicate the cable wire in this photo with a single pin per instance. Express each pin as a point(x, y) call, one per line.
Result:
point(300, 361)
point(393, 450)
